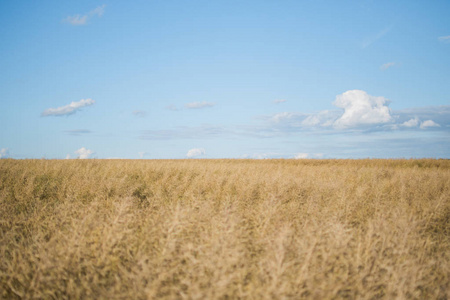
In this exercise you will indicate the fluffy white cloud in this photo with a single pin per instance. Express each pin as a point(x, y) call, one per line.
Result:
point(359, 111)
point(194, 105)
point(195, 152)
point(361, 108)
point(387, 65)
point(278, 101)
point(429, 124)
point(82, 153)
point(4, 153)
point(67, 109)
point(82, 19)
point(411, 123)
point(301, 155)
point(444, 38)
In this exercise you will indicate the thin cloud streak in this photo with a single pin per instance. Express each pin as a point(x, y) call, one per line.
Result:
point(139, 113)
point(387, 66)
point(78, 20)
point(445, 39)
point(67, 110)
point(77, 132)
point(278, 101)
point(197, 105)
point(372, 39)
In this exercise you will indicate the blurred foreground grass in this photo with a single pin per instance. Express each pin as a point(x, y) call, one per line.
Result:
point(225, 229)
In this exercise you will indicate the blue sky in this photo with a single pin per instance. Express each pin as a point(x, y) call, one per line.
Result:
point(224, 79)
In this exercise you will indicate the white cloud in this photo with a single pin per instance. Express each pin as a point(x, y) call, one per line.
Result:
point(194, 105)
point(99, 11)
point(411, 123)
point(78, 19)
point(172, 107)
point(444, 38)
point(361, 108)
point(278, 101)
point(310, 121)
point(301, 155)
point(260, 156)
point(142, 154)
point(4, 153)
point(429, 124)
point(77, 132)
point(195, 152)
point(372, 39)
point(387, 65)
point(83, 153)
point(323, 118)
point(68, 156)
point(361, 111)
point(283, 116)
point(67, 109)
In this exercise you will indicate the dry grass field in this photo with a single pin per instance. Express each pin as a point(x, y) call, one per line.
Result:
point(225, 229)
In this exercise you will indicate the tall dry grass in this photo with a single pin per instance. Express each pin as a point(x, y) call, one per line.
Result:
point(224, 229)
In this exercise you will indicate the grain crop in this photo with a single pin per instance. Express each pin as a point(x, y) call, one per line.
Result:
point(225, 229)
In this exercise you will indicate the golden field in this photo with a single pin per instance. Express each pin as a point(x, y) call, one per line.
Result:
point(225, 229)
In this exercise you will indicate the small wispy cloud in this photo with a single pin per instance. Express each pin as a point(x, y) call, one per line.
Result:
point(197, 105)
point(429, 124)
point(196, 152)
point(257, 156)
point(139, 113)
point(387, 65)
point(172, 107)
point(77, 132)
point(415, 122)
point(69, 109)
point(278, 101)
point(199, 132)
point(78, 19)
point(411, 123)
point(142, 154)
point(4, 153)
point(445, 39)
point(301, 156)
point(372, 39)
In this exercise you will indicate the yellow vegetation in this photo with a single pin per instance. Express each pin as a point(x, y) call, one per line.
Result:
point(225, 229)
